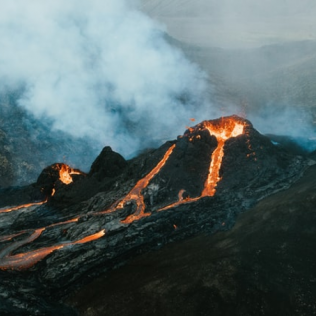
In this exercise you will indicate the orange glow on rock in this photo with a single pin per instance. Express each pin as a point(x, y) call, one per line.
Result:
point(136, 193)
point(65, 173)
point(90, 238)
point(222, 130)
point(28, 259)
point(9, 237)
point(16, 208)
point(227, 129)
point(180, 201)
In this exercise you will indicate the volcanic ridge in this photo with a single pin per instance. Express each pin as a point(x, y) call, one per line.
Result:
point(69, 226)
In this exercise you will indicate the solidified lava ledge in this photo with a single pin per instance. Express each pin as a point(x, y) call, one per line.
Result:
point(69, 227)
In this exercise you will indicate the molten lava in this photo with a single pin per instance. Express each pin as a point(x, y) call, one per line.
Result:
point(223, 130)
point(16, 208)
point(227, 129)
point(26, 260)
point(65, 173)
point(136, 193)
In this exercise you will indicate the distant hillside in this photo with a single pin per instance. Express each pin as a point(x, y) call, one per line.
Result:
point(214, 7)
point(28, 145)
point(235, 23)
point(279, 75)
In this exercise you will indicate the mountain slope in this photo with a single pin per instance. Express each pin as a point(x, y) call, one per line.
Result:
point(265, 265)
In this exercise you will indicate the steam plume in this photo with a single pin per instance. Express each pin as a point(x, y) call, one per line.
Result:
point(98, 69)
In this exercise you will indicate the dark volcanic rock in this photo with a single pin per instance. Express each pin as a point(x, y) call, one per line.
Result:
point(98, 205)
point(108, 164)
point(50, 177)
point(265, 265)
point(20, 195)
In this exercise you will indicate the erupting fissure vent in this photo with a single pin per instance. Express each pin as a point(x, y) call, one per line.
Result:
point(65, 173)
point(222, 129)
point(226, 129)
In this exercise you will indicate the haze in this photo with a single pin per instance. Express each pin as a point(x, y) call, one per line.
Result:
point(235, 23)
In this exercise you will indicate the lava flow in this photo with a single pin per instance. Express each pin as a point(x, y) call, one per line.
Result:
point(16, 208)
point(223, 130)
point(136, 193)
point(26, 260)
point(226, 129)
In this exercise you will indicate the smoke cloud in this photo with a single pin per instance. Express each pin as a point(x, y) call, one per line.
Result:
point(260, 55)
point(99, 69)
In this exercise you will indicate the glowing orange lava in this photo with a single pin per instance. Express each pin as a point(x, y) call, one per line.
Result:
point(26, 260)
point(222, 129)
point(89, 238)
point(65, 173)
point(180, 201)
point(136, 193)
point(9, 237)
point(228, 128)
point(16, 208)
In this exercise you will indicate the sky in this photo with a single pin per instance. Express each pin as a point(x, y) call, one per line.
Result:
point(235, 23)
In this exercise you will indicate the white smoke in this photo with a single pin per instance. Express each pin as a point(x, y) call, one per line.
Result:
point(99, 69)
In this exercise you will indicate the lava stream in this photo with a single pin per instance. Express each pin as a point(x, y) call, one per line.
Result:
point(9, 237)
point(16, 208)
point(7, 250)
point(136, 193)
point(26, 260)
point(226, 130)
point(213, 175)
point(180, 201)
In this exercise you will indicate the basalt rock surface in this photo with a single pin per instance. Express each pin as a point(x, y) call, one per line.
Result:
point(95, 223)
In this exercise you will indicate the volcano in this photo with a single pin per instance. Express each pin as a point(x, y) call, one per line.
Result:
point(69, 227)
